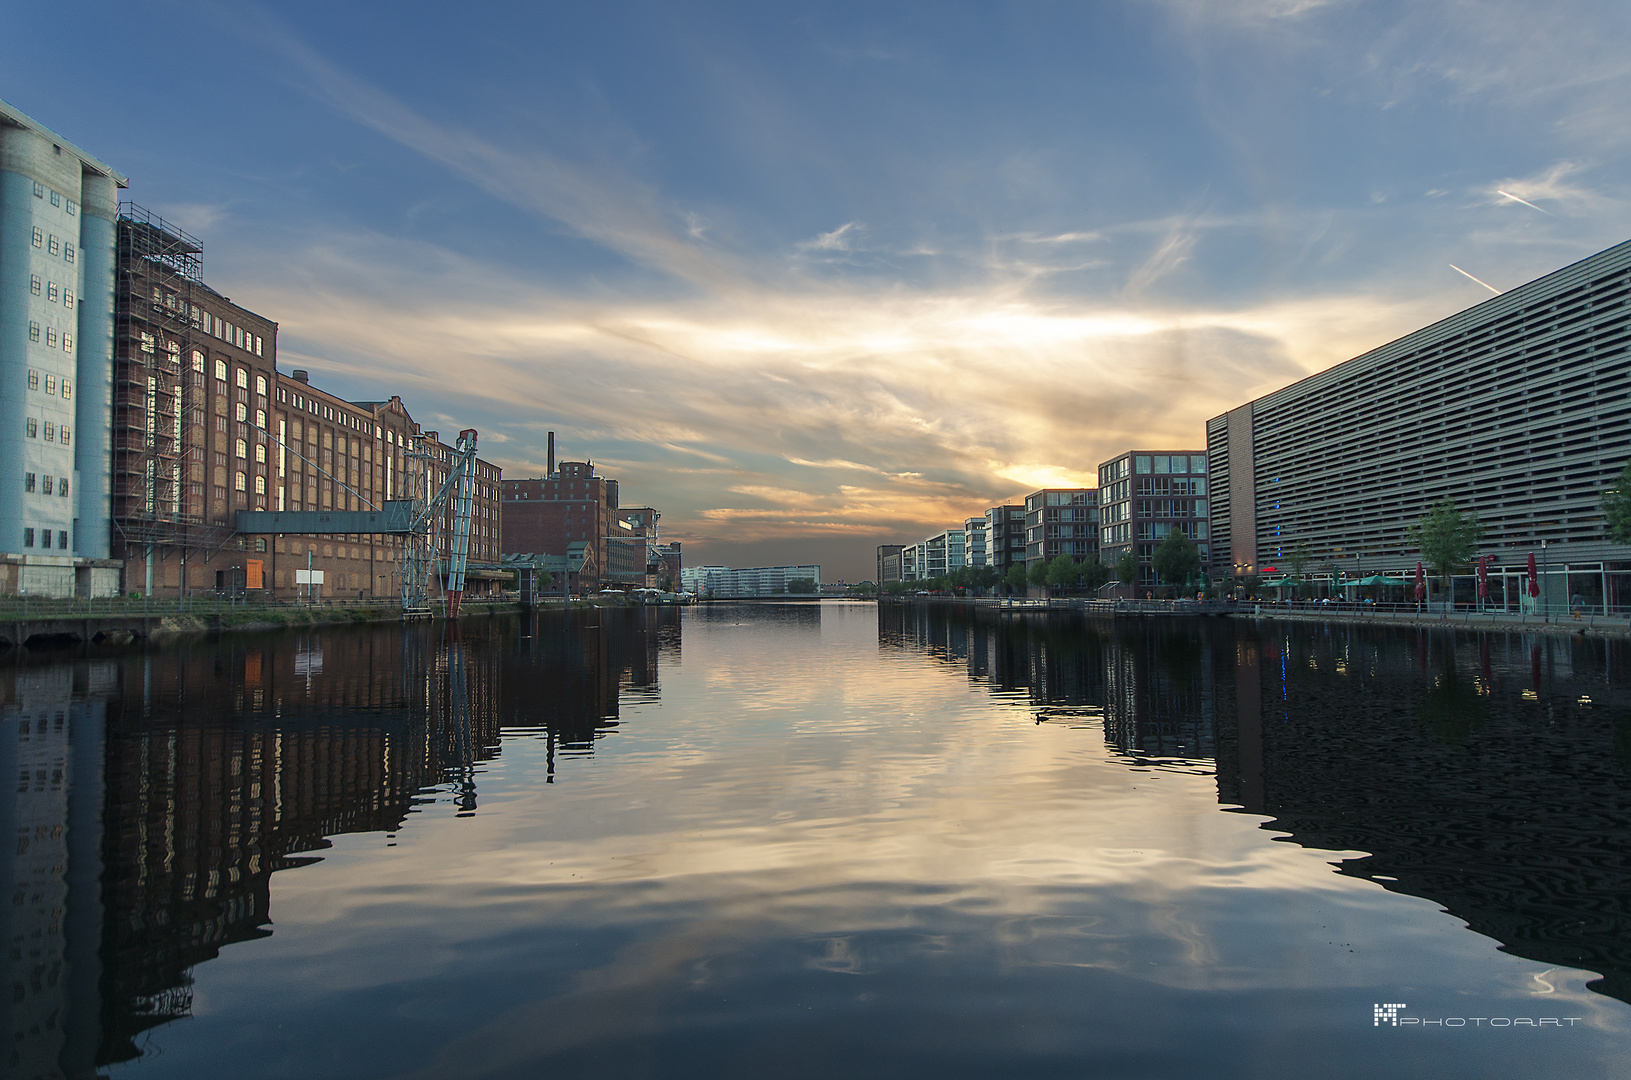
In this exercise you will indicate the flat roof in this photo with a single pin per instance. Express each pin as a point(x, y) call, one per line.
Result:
point(23, 120)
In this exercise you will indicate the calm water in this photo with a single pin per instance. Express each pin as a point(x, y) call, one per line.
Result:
point(821, 840)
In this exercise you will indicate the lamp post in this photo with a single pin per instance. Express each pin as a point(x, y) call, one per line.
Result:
point(1545, 590)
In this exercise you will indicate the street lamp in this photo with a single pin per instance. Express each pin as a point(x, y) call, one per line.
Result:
point(1545, 589)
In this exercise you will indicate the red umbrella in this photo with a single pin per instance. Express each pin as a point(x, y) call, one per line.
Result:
point(1534, 578)
point(1421, 583)
point(1483, 578)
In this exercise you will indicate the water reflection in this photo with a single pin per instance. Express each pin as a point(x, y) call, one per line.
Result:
point(1490, 773)
point(158, 791)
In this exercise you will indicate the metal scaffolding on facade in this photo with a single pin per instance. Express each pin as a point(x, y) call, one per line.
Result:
point(159, 404)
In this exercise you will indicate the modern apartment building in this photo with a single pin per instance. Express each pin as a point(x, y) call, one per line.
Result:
point(1061, 521)
point(724, 583)
point(57, 248)
point(889, 563)
point(1005, 536)
point(1144, 496)
point(975, 553)
point(1518, 408)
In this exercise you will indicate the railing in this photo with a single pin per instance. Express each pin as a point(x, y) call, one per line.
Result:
point(20, 607)
point(1583, 614)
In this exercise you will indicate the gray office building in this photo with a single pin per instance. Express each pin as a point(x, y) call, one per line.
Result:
point(1519, 409)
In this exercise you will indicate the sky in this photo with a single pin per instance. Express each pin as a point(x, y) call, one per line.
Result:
point(811, 278)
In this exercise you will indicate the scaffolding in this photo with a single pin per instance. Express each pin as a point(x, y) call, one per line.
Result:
point(159, 404)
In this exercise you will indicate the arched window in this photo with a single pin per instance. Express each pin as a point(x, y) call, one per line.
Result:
point(260, 385)
point(238, 481)
point(260, 454)
point(198, 361)
point(221, 370)
point(243, 379)
point(260, 419)
point(243, 449)
point(260, 485)
point(243, 413)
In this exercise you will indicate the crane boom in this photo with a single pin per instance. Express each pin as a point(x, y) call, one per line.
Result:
point(419, 554)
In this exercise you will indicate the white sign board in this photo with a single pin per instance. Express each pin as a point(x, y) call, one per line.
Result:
point(308, 577)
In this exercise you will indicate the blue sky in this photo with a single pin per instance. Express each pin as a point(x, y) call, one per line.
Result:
point(811, 278)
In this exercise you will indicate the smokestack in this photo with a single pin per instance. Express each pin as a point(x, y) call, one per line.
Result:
point(299, 375)
point(551, 470)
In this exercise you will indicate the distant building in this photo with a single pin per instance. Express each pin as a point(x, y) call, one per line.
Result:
point(1061, 521)
point(974, 543)
point(671, 565)
point(1144, 496)
point(724, 583)
point(1005, 536)
point(889, 568)
point(544, 514)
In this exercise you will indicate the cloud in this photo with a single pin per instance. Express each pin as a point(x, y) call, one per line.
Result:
point(840, 239)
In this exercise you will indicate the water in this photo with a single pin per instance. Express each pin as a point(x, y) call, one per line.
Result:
point(818, 840)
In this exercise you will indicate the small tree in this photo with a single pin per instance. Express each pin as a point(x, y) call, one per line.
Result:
point(1300, 559)
point(985, 578)
point(1177, 560)
point(1617, 507)
point(1094, 572)
point(1063, 572)
point(1015, 578)
point(1127, 568)
point(1037, 572)
point(801, 585)
point(1447, 538)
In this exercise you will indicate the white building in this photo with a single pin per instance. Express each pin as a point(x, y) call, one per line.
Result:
point(724, 583)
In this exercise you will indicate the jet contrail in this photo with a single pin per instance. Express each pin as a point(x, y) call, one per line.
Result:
point(1480, 281)
point(1525, 202)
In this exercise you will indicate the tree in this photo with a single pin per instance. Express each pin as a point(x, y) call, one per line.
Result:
point(1094, 572)
point(1015, 578)
point(1063, 571)
point(801, 585)
point(1127, 568)
point(1447, 537)
point(985, 578)
point(1037, 572)
point(1617, 507)
point(1177, 560)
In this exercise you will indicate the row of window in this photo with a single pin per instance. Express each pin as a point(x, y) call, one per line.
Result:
point(57, 198)
point(47, 485)
point(52, 291)
point(53, 337)
point(51, 384)
point(45, 538)
point(53, 432)
point(52, 244)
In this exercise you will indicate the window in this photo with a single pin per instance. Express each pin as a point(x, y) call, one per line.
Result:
point(56, 198)
point(39, 237)
point(51, 336)
point(68, 298)
point(33, 426)
point(243, 379)
point(198, 361)
point(67, 389)
point(53, 245)
point(67, 343)
point(29, 482)
point(67, 253)
point(34, 284)
point(260, 419)
point(47, 484)
point(260, 454)
point(221, 370)
point(39, 190)
point(28, 537)
point(62, 539)
point(50, 431)
point(239, 481)
point(62, 487)
point(33, 379)
point(260, 485)
point(227, 328)
point(33, 331)
point(260, 543)
point(52, 291)
point(260, 385)
point(65, 434)
point(242, 411)
point(50, 384)
point(257, 345)
point(72, 207)
point(242, 449)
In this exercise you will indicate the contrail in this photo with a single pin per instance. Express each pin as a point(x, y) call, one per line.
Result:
point(1525, 202)
point(1480, 281)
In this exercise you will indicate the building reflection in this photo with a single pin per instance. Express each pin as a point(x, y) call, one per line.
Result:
point(1490, 773)
point(159, 791)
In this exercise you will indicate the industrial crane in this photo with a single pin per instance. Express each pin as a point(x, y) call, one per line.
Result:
point(419, 553)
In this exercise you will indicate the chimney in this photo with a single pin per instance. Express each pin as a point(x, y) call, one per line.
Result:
point(551, 470)
point(299, 375)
